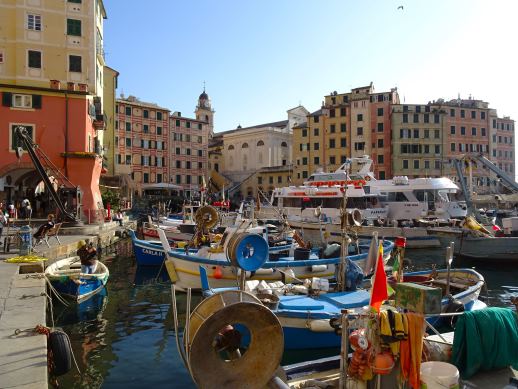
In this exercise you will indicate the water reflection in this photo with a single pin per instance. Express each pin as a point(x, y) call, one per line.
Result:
point(124, 337)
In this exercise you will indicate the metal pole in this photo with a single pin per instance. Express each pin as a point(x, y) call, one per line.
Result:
point(344, 349)
point(449, 259)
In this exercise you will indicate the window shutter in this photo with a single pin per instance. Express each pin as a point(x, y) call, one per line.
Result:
point(7, 99)
point(36, 101)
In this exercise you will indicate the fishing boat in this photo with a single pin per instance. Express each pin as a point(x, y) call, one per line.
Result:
point(306, 318)
point(184, 268)
point(66, 277)
point(151, 252)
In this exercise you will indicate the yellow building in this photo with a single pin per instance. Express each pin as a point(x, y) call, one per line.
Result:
point(348, 125)
point(53, 44)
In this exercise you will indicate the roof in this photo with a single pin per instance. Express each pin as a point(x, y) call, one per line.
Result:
point(316, 113)
point(301, 125)
point(279, 124)
point(139, 103)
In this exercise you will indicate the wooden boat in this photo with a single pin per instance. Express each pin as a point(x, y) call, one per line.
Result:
point(66, 277)
point(476, 246)
point(184, 268)
point(151, 252)
point(306, 318)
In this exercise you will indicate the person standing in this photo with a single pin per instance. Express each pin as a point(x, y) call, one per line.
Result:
point(87, 254)
point(3, 221)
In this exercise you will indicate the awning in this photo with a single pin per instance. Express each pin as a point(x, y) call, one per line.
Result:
point(162, 185)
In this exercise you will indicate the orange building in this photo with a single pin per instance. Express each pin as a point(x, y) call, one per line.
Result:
point(51, 66)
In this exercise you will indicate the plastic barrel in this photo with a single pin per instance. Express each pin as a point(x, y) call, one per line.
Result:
point(26, 240)
point(247, 251)
point(439, 375)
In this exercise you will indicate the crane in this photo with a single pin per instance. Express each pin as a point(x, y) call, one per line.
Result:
point(35, 153)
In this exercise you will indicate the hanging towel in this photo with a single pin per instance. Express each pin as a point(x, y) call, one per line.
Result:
point(411, 350)
point(485, 339)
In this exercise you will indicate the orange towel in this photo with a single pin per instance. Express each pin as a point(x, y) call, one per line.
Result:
point(411, 350)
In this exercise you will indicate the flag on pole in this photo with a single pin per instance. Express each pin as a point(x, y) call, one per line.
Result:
point(379, 291)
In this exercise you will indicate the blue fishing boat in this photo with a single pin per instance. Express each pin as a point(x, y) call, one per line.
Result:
point(306, 318)
point(66, 277)
point(151, 252)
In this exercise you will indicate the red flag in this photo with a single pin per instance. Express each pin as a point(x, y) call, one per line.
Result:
point(379, 286)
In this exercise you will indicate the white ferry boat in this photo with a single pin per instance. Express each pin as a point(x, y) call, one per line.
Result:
point(406, 199)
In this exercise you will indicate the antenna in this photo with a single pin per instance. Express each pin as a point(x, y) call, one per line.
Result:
point(204, 85)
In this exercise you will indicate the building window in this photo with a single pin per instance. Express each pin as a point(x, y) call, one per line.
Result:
point(74, 63)
point(416, 133)
point(128, 142)
point(380, 160)
point(482, 115)
point(343, 127)
point(437, 164)
point(380, 127)
point(75, 1)
point(416, 118)
point(259, 180)
point(34, 59)
point(128, 111)
point(436, 118)
point(128, 159)
point(304, 133)
point(331, 113)
point(159, 130)
point(17, 142)
point(146, 178)
point(331, 143)
point(452, 130)
point(381, 175)
point(74, 27)
point(244, 146)
point(304, 160)
point(483, 131)
point(188, 151)
point(1, 56)
point(427, 164)
point(304, 174)
point(359, 146)
point(426, 134)
point(316, 161)
point(437, 134)
point(380, 111)
point(452, 146)
point(342, 111)
point(270, 180)
point(416, 164)
point(231, 147)
point(380, 143)
point(343, 142)
point(359, 131)
point(332, 128)
point(405, 118)
point(22, 101)
point(200, 153)
point(34, 22)
point(332, 160)
point(462, 113)
point(452, 112)
point(159, 116)
point(426, 118)
point(473, 114)
point(187, 164)
point(437, 149)
point(159, 178)
point(463, 130)
point(145, 113)
point(315, 131)
point(473, 130)
point(128, 126)
point(359, 117)
point(145, 128)
point(316, 146)
point(316, 119)
point(405, 164)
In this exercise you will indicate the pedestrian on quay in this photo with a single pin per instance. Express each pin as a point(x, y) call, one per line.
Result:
point(3, 222)
point(88, 256)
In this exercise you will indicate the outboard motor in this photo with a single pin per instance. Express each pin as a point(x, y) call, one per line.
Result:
point(454, 305)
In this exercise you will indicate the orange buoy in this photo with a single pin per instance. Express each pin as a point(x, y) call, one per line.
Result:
point(218, 273)
point(383, 363)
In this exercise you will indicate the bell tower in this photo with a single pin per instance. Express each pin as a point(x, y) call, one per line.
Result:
point(204, 112)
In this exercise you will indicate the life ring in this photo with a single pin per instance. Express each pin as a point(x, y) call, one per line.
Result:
point(61, 352)
point(247, 251)
point(206, 217)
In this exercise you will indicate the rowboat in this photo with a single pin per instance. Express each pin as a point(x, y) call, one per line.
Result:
point(66, 277)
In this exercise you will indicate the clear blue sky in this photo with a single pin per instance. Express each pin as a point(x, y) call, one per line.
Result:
point(261, 58)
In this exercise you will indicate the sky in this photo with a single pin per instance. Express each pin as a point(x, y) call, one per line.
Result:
point(260, 58)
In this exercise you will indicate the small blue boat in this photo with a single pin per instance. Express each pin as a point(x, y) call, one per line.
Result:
point(66, 277)
point(306, 319)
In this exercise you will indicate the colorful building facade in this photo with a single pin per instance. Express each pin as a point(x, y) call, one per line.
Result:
point(348, 125)
point(142, 142)
point(51, 70)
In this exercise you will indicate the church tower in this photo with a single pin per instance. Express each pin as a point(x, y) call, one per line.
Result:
point(204, 112)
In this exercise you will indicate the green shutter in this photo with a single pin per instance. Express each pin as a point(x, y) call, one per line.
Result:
point(7, 99)
point(36, 101)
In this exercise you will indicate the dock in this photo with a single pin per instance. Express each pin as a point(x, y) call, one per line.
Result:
point(23, 302)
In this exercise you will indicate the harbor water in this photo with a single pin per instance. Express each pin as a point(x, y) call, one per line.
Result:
point(124, 337)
